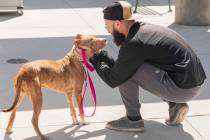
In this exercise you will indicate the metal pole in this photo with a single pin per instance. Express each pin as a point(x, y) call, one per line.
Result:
point(169, 5)
point(137, 3)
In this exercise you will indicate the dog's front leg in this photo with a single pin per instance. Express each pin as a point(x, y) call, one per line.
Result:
point(70, 99)
point(81, 112)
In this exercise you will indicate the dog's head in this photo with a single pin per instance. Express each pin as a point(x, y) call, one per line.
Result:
point(89, 42)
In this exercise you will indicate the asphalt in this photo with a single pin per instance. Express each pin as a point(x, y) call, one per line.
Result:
point(46, 31)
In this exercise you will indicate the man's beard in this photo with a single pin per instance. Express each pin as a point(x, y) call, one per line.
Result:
point(118, 37)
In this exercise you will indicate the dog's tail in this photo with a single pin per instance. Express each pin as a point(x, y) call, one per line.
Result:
point(17, 83)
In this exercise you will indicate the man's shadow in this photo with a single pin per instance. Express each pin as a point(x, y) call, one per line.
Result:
point(153, 131)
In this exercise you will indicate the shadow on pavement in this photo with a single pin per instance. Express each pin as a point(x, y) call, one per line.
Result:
point(56, 48)
point(45, 48)
point(8, 15)
point(62, 4)
point(196, 36)
point(154, 130)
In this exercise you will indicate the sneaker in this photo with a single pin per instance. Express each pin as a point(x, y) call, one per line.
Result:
point(177, 113)
point(124, 124)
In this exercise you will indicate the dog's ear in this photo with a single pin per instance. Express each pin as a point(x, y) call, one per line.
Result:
point(77, 42)
point(78, 36)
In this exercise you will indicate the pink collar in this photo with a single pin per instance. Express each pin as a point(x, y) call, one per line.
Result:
point(87, 65)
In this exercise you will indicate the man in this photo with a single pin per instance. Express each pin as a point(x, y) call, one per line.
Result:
point(153, 57)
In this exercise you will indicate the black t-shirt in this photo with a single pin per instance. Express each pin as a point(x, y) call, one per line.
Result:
point(159, 46)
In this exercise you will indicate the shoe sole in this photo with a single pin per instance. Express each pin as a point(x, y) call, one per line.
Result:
point(126, 130)
point(180, 116)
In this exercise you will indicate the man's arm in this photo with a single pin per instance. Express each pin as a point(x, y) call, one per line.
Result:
point(125, 66)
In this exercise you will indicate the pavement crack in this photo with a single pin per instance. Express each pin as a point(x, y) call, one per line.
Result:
point(195, 129)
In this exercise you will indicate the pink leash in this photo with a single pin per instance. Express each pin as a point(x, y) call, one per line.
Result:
point(88, 68)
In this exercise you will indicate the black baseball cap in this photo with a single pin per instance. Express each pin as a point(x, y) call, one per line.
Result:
point(120, 10)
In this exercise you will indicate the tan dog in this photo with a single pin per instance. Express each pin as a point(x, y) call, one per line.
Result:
point(65, 75)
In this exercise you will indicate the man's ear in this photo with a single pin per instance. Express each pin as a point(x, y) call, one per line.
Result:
point(117, 24)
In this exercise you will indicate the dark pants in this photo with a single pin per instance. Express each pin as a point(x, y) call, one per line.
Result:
point(157, 82)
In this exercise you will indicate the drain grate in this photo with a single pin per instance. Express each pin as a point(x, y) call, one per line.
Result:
point(147, 12)
point(17, 60)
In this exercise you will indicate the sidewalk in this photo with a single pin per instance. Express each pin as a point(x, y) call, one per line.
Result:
point(46, 31)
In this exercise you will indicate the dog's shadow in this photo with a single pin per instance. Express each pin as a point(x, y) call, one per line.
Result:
point(154, 131)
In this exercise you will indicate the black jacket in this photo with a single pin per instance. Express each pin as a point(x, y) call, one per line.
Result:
point(156, 45)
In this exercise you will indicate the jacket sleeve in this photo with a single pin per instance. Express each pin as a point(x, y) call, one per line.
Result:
point(124, 67)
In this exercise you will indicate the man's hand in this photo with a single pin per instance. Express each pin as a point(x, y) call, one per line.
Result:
point(89, 53)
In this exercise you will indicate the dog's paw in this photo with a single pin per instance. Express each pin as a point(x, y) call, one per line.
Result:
point(44, 137)
point(75, 123)
point(84, 123)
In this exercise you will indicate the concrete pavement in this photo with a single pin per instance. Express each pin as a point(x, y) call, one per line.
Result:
point(46, 31)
